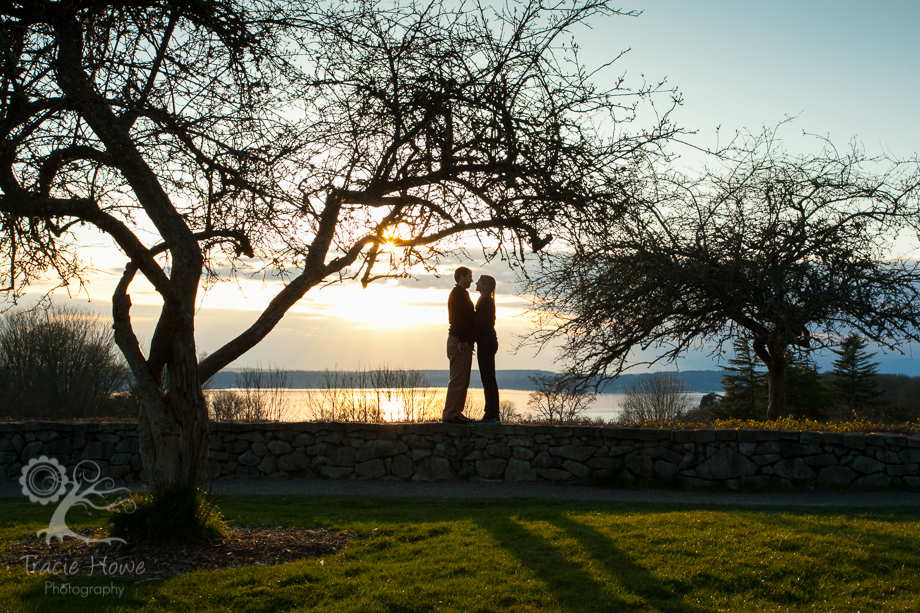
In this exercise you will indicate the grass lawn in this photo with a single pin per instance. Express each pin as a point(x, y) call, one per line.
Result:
point(527, 555)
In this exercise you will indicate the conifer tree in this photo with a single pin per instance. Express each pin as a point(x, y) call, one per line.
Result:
point(854, 382)
point(806, 391)
point(745, 386)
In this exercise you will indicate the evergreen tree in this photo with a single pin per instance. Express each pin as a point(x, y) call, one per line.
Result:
point(745, 386)
point(854, 383)
point(806, 391)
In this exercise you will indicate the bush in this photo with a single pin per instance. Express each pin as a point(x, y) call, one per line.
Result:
point(660, 396)
point(185, 514)
point(559, 399)
point(60, 363)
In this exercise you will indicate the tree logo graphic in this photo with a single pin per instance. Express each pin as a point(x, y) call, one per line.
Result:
point(44, 480)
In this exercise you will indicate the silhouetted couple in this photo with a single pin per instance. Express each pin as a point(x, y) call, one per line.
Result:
point(470, 325)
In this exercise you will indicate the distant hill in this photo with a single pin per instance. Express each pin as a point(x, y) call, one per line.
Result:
point(700, 381)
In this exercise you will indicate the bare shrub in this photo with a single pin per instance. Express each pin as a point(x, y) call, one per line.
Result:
point(661, 396)
point(260, 395)
point(507, 412)
point(374, 395)
point(60, 363)
point(559, 399)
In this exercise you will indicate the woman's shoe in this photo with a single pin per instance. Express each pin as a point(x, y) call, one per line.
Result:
point(489, 422)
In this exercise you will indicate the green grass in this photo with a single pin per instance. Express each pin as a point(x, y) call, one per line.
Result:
point(512, 555)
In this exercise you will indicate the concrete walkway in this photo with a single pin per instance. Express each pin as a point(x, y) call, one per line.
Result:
point(546, 491)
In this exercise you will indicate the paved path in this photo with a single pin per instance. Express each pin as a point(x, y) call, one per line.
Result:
point(548, 491)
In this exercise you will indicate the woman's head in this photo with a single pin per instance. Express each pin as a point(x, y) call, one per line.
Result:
point(486, 285)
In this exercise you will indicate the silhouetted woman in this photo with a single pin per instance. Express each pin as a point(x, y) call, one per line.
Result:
point(487, 347)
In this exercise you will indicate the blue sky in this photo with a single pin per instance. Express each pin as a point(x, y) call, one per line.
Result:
point(845, 69)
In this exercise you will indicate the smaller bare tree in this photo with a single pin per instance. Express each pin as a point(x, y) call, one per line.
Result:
point(260, 395)
point(559, 399)
point(661, 396)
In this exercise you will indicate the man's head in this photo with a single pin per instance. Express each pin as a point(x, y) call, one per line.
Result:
point(463, 277)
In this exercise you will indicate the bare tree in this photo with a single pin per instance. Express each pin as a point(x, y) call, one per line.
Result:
point(787, 250)
point(559, 399)
point(323, 141)
point(659, 396)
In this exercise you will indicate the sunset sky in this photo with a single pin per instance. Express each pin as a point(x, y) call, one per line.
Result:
point(846, 69)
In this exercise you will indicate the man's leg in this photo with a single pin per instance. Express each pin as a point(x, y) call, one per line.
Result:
point(460, 366)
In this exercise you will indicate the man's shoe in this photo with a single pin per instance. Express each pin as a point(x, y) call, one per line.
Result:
point(489, 422)
point(459, 420)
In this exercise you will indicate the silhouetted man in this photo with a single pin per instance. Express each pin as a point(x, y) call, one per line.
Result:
point(462, 318)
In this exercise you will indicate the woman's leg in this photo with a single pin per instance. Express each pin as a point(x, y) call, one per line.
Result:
point(486, 358)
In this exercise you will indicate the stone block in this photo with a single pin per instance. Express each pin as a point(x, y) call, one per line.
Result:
point(579, 470)
point(385, 448)
point(95, 450)
point(791, 450)
point(866, 465)
point(836, 476)
point(694, 436)
point(519, 470)
point(119, 459)
point(130, 445)
point(402, 466)
point(602, 463)
point(899, 470)
point(34, 449)
point(619, 450)
point(9, 457)
point(268, 464)
point(213, 469)
point(544, 460)
point(336, 472)
point(434, 468)
point(579, 453)
point(279, 447)
point(319, 449)
point(60, 448)
point(305, 439)
point(875, 481)
point(499, 450)
point(666, 471)
point(229, 468)
point(237, 447)
point(372, 469)
point(747, 448)
point(767, 459)
point(522, 453)
point(420, 454)
point(105, 437)
point(249, 459)
point(252, 436)
point(726, 464)
point(343, 456)
point(811, 438)
point(854, 441)
point(293, 463)
point(640, 465)
point(910, 455)
point(491, 469)
point(824, 459)
point(794, 470)
point(555, 474)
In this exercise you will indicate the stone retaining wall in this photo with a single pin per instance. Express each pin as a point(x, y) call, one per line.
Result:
point(685, 459)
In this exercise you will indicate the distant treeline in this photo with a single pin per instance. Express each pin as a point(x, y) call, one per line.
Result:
point(699, 381)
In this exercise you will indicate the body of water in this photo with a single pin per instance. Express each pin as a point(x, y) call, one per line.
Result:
point(309, 404)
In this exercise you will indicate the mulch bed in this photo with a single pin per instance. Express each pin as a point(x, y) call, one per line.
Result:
point(245, 546)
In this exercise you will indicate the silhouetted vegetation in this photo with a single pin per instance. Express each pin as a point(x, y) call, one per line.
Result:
point(61, 363)
point(663, 395)
point(322, 141)
point(559, 399)
point(789, 251)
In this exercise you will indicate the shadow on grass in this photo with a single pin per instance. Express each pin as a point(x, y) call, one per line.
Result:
point(574, 583)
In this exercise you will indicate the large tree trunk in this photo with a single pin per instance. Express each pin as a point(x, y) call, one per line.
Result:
point(774, 356)
point(174, 431)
